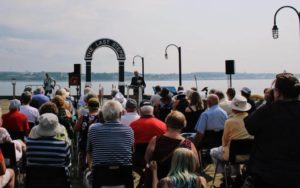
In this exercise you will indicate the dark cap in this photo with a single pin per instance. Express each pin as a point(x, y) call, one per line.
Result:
point(145, 103)
point(246, 90)
point(131, 103)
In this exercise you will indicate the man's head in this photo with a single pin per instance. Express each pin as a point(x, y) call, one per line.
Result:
point(146, 108)
point(230, 93)
point(157, 89)
point(39, 90)
point(14, 104)
point(131, 105)
point(246, 92)
point(112, 110)
point(26, 97)
point(212, 100)
point(136, 73)
point(287, 86)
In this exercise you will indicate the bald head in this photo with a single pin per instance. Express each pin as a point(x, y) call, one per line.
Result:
point(212, 99)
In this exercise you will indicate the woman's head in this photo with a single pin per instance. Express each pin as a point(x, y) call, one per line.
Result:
point(59, 101)
point(48, 107)
point(183, 161)
point(287, 86)
point(196, 99)
point(175, 120)
point(93, 104)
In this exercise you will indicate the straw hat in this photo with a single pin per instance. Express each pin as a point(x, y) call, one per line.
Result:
point(239, 103)
point(48, 126)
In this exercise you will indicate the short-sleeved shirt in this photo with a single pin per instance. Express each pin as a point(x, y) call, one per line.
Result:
point(31, 113)
point(110, 143)
point(147, 127)
point(212, 119)
point(15, 121)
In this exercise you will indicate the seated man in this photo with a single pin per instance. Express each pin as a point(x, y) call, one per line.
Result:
point(111, 143)
point(210, 122)
point(31, 112)
point(15, 122)
point(234, 129)
point(131, 112)
point(7, 175)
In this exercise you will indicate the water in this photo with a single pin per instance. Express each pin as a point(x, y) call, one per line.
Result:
point(257, 86)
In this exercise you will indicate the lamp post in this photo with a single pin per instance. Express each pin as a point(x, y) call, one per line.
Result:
point(179, 60)
point(142, 64)
point(13, 82)
point(275, 28)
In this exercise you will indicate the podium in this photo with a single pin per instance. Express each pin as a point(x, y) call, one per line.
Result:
point(138, 96)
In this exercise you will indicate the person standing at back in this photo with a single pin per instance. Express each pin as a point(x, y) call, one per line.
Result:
point(49, 84)
point(275, 159)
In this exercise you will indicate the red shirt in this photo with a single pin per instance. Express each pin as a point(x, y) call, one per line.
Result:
point(147, 127)
point(15, 121)
point(1, 156)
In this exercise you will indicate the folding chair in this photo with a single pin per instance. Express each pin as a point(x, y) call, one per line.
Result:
point(46, 177)
point(105, 176)
point(138, 157)
point(9, 153)
point(239, 153)
point(210, 140)
point(15, 135)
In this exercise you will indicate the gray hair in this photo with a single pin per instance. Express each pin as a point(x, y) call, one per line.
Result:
point(147, 110)
point(111, 110)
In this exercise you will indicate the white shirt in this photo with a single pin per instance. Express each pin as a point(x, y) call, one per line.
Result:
point(31, 113)
point(129, 117)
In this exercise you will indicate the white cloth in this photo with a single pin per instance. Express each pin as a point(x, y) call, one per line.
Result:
point(129, 117)
point(226, 106)
point(31, 113)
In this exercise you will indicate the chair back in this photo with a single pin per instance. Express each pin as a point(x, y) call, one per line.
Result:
point(46, 177)
point(138, 156)
point(239, 151)
point(15, 135)
point(9, 153)
point(112, 176)
point(211, 139)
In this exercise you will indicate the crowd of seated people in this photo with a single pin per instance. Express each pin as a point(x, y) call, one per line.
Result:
point(120, 137)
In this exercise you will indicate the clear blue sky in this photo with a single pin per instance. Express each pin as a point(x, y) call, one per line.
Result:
point(52, 35)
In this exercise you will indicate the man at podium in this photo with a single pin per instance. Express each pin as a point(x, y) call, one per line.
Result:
point(136, 82)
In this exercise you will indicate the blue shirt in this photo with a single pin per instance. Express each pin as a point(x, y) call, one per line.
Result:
point(212, 119)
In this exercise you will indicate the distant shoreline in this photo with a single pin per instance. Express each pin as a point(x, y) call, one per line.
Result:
point(62, 76)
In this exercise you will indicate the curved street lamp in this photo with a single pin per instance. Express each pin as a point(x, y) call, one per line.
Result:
point(13, 82)
point(275, 28)
point(142, 63)
point(179, 59)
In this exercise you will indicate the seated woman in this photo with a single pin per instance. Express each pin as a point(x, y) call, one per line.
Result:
point(161, 148)
point(43, 146)
point(64, 115)
point(7, 175)
point(193, 111)
point(182, 173)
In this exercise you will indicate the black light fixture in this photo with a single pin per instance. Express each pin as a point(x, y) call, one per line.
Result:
point(179, 59)
point(142, 58)
point(275, 32)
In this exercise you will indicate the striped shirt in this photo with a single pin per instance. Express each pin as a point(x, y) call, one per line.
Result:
point(110, 144)
point(47, 151)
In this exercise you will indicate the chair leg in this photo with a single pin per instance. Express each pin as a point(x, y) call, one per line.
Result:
point(225, 172)
point(216, 167)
